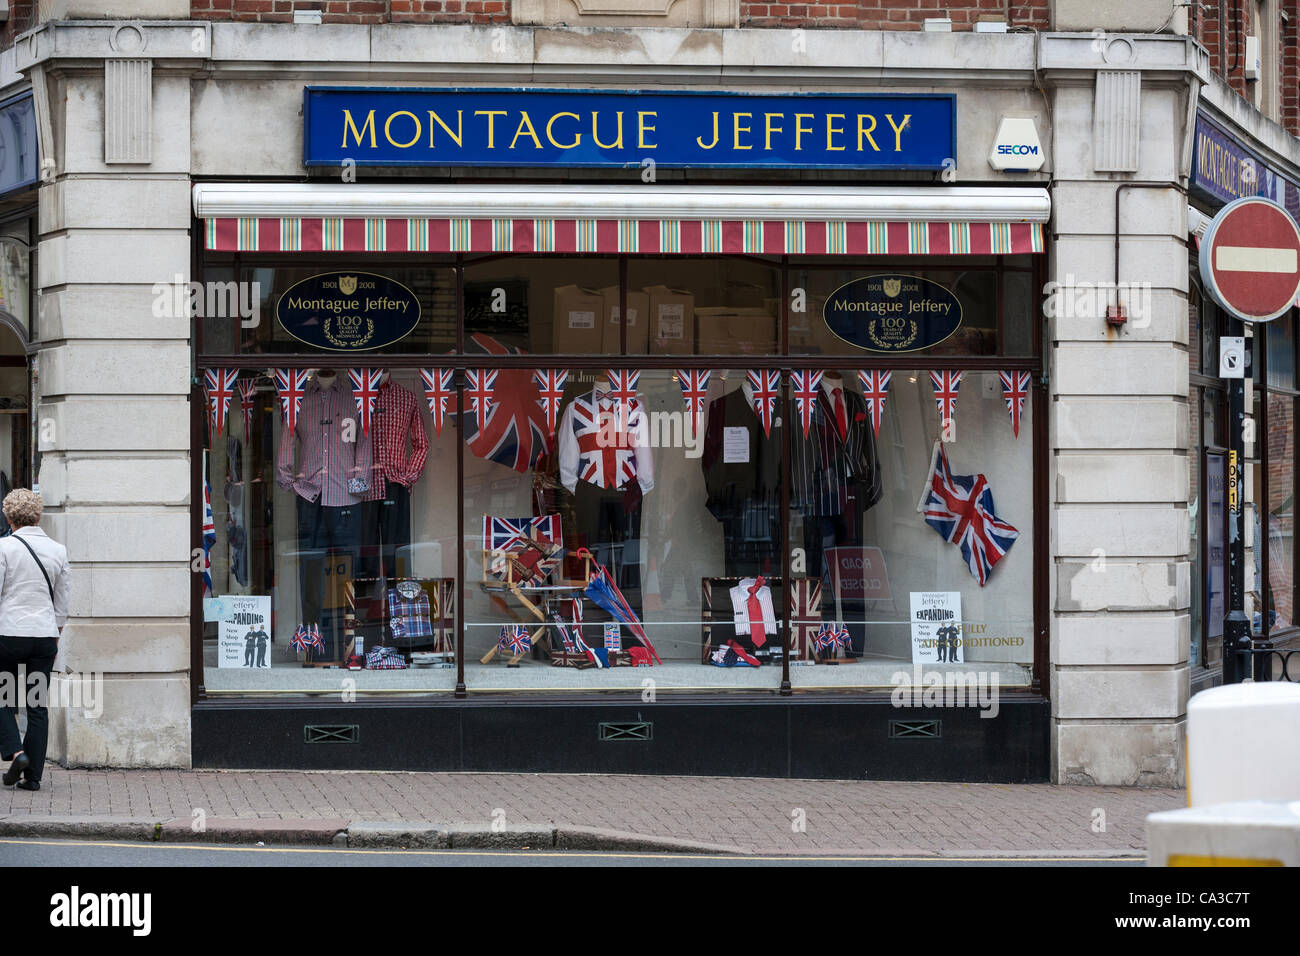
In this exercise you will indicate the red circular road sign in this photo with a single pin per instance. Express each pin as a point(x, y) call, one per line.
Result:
point(1250, 259)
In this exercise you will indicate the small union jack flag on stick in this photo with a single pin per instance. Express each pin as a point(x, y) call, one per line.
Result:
point(550, 392)
point(247, 397)
point(365, 389)
point(291, 383)
point(764, 384)
point(806, 385)
point(515, 639)
point(945, 394)
point(438, 391)
point(480, 385)
point(875, 389)
point(833, 634)
point(695, 386)
point(220, 384)
point(1015, 389)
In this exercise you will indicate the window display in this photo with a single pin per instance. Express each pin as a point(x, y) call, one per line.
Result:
point(559, 506)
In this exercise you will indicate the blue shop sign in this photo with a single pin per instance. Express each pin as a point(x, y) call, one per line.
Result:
point(892, 313)
point(569, 128)
point(348, 311)
point(1223, 170)
point(17, 143)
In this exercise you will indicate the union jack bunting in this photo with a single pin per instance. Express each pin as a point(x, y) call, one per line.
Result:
point(875, 389)
point(509, 534)
point(695, 386)
point(515, 432)
point(831, 635)
point(515, 639)
point(622, 386)
point(209, 537)
point(945, 393)
point(1015, 389)
point(365, 389)
point(480, 385)
point(960, 509)
point(806, 385)
point(220, 384)
point(438, 391)
point(764, 385)
point(290, 383)
point(550, 392)
point(247, 396)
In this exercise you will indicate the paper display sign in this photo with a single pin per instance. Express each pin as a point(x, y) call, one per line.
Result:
point(244, 632)
point(859, 574)
point(735, 446)
point(936, 627)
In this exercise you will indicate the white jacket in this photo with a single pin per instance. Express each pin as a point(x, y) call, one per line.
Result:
point(25, 607)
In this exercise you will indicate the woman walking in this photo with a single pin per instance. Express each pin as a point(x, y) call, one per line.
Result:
point(34, 585)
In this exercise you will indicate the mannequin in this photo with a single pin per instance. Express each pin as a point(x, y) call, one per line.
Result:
point(321, 462)
point(606, 479)
point(743, 481)
point(386, 510)
point(836, 479)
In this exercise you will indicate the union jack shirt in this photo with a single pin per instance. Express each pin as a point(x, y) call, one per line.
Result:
point(397, 418)
point(605, 445)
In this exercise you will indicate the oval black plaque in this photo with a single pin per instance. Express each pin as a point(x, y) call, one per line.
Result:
point(892, 313)
point(348, 311)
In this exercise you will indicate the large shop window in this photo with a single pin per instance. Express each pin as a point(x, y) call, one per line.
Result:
point(530, 473)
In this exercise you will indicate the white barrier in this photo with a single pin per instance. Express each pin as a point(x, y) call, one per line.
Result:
point(1243, 743)
point(1250, 833)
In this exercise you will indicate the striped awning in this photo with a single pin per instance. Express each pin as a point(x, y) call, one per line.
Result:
point(640, 236)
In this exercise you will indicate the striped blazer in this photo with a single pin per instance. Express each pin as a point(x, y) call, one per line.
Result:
point(826, 471)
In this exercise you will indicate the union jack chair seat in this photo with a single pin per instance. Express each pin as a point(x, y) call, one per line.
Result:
point(521, 553)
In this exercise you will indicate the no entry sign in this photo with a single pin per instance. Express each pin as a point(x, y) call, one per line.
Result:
point(1250, 259)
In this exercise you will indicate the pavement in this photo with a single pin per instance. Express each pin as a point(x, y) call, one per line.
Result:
point(723, 815)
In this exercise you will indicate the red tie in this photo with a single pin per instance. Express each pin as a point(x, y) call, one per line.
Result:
point(841, 417)
point(757, 633)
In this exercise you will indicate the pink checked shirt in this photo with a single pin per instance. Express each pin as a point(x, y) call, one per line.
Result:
point(316, 460)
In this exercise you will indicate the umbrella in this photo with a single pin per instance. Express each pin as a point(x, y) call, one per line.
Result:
point(603, 592)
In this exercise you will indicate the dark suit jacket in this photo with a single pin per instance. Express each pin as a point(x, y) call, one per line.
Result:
point(737, 487)
point(829, 473)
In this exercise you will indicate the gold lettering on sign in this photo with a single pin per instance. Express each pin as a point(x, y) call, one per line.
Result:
point(898, 130)
point(348, 123)
point(388, 129)
point(737, 129)
point(700, 139)
point(767, 122)
point(456, 136)
point(492, 124)
point(595, 131)
point(866, 131)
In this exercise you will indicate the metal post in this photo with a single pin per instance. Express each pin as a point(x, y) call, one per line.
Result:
point(1236, 626)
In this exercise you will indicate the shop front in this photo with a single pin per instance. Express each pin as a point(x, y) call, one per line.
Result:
point(741, 475)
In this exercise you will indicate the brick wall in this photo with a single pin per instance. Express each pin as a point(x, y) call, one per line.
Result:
point(1229, 62)
point(22, 17)
point(892, 14)
point(356, 11)
point(1289, 40)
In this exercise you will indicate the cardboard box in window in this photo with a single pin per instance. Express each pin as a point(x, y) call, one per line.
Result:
point(638, 321)
point(672, 320)
point(725, 330)
point(577, 320)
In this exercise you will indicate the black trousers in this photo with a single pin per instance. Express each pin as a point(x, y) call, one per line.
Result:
point(326, 535)
point(37, 653)
point(385, 527)
point(610, 524)
point(822, 532)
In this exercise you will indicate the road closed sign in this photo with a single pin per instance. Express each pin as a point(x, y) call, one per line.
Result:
point(1250, 259)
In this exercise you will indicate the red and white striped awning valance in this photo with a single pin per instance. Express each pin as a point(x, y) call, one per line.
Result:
point(634, 236)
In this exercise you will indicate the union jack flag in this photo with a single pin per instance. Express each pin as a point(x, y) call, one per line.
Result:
point(550, 392)
point(945, 393)
point(875, 389)
point(221, 388)
point(960, 508)
point(365, 389)
point(515, 639)
point(307, 638)
point(806, 385)
point(604, 459)
point(622, 387)
point(695, 385)
point(833, 634)
point(508, 534)
point(764, 385)
point(514, 432)
point(438, 391)
point(209, 537)
point(291, 383)
point(480, 383)
point(1015, 389)
point(247, 396)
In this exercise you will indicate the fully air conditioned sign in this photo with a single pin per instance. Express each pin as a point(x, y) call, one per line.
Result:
point(415, 127)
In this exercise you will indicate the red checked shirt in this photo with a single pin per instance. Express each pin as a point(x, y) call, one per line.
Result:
point(327, 449)
point(397, 417)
